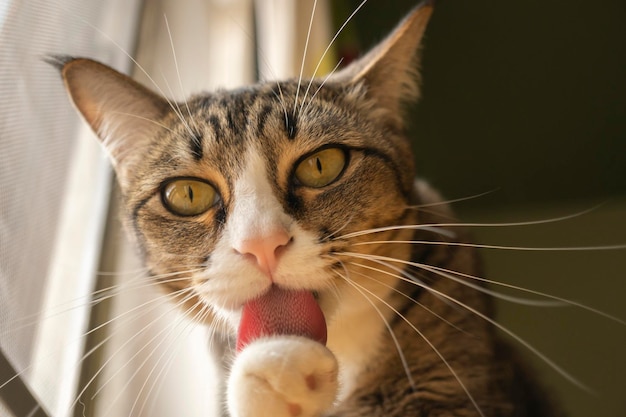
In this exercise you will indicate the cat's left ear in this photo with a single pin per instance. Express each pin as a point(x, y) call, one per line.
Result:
point(389, 72)
point(124, 114)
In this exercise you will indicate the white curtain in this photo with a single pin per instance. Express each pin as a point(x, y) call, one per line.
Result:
point(53, 189)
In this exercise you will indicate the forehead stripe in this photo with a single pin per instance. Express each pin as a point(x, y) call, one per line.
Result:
point(215, 124)
point(262, 118)
point(291, 125)
point(237, 114)
point(195, 145)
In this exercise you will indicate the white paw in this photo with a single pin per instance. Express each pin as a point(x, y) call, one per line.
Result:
point(286, 376)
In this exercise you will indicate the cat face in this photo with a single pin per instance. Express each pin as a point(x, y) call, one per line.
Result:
point(231, 192)
point(269, 217)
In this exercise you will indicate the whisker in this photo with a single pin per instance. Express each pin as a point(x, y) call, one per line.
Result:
point(382, 260)
point(125, 344)
point(65, 307)
point(500, 247)
point(136, 308)
point(92, 350)
point(452, 201)
point(166, 349)
point(144, 119)
point(96, 297)
point(434, 227)
point(558, 301)
point(200, 317)
point(563, 301)
point(431, 227)
point(437, 352)
point(158, 380)
point(141, 68)
point(405, 365)
point(180, 81)
point(131, 316)
point(331, 234)
point(157, 383)
point(516, 300)
point(454, 326)
point(330, 44)
point(318, 88)
point(306, 46)
point(177, 105)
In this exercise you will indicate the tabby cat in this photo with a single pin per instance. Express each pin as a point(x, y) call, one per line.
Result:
point(294, 205)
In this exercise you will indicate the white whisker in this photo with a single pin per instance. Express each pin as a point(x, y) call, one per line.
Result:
point(500, 247)
point(557, 301)
point(330, 44)
point(137, 307)
point(175, 103)
point(62, 308)
point(456, 200)
point(454, 326)
point(405, 365)
point(433, 347)
point(167, 349)
point(560, 300)
point(436, 227)
point(331, 234)
point(180, 81)
point(111, 336)
point(306, 46)
point(383, 260)
point(87, 354)
point(318, 88)
point(140, 67)
point(125, 344)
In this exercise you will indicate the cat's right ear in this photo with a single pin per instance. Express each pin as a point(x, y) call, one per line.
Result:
point(389, 71)
point(123, 113)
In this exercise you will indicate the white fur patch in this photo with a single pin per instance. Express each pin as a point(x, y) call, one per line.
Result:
point(232, 279)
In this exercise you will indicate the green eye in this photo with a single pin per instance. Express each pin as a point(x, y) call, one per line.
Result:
point(187, 197)
point(321, 168)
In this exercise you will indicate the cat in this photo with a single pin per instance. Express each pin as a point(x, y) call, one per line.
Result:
point(306, 190)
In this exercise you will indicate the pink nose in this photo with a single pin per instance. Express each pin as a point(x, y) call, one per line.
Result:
point(265, 250)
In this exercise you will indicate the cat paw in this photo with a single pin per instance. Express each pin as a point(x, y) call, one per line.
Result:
point(287, 376)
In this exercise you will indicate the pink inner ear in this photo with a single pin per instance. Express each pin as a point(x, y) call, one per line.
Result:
point(281, 312)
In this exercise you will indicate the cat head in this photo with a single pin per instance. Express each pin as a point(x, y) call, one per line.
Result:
point(230, 192)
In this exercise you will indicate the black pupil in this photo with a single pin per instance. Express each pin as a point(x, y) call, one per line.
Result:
point(319, 165)
point(190, 193)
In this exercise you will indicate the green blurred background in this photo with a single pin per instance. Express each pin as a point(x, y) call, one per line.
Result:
point(529, 99)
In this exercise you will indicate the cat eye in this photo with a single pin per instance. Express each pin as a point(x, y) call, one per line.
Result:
point(321, 168)
point(188, 197)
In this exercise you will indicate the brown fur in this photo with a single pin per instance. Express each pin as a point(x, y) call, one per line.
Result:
point(359, 109)
point(500, 382)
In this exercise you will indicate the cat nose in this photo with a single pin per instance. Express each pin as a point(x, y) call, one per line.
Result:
point(265, 249)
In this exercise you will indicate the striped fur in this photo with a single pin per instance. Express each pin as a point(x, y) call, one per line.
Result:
point(247, 143)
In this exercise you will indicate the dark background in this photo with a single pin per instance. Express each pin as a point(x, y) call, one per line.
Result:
point(528, 99)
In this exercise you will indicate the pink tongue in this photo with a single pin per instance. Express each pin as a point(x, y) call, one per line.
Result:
point(281, 312)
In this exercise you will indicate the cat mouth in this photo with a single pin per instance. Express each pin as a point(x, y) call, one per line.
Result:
point(281, 311)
